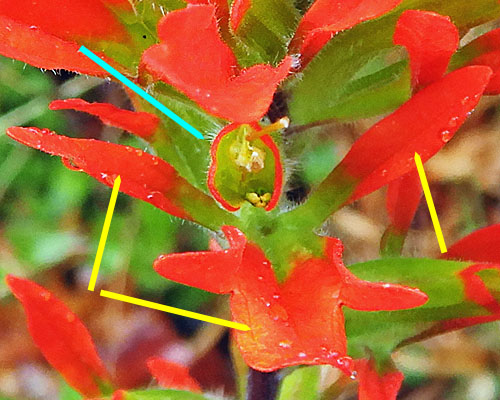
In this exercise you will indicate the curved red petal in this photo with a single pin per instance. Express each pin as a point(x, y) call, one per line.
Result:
point(370, 296)
point(143, 176)
point(475, 289)
point(211, 77)
point(140, 123)
point(422, 125)
point(213, 168)
point(61, 336)
point(326, 17)
point(482, 245)
point(278, 168)
point(172, 376)
point(238, 10)
point(43, 50)
point(430, 39)
point(403, 197)
point(373, 386)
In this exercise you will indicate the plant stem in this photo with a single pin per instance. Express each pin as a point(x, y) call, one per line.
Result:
point(262, 385)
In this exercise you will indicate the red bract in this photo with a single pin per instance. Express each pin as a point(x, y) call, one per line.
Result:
point(238, 11)
point(325, 18)
point(172, 376)
point(373, 386)
point(143, 176)
point(317, 287)
point(486, 51)
point(46, 33)
point(140, 123)
point(61, 337)
point(430, 39)
point(424, 124)
point(482, 245)
point(193, 58)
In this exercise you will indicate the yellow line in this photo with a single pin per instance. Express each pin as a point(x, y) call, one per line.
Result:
point(173, 310)
point(104, 234)
point(430, 204)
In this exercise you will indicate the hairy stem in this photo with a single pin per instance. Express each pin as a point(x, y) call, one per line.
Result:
point(262, 385)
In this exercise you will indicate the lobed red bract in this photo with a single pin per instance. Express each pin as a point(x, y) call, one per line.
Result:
point(172, 376)
point(317, 287)
point(193, 58)
point(430, 39)
point(373, 386)
point(325, 18)
point(61, 336)
point(423, 125)
point(238, 10)
point(143, 176)
point(140, 123)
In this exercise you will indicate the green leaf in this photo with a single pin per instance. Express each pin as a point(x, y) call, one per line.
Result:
point(265, 31)
point(303, 384)
point(358, 74)
point(383, 331)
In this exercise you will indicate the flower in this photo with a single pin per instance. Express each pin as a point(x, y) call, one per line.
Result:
point(316, 287)
point(67, 345)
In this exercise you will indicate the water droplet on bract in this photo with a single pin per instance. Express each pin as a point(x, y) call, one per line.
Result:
point(70, 164)
point(453, 122)
point(138, 152)
point(302, 354)
point(33, 27)
point(260, 277)
point(155, 161)
point(45, 295)
point(129, 149)
point(354, 375)
point(285, 344)
point(384, 172)
point(446, 135)
point(70, 317)
point(276, 296)
point(465, 100)
point(267, 303)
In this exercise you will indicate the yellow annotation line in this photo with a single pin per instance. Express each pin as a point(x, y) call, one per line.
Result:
point(104, 234)
point(173, 310)
point(430, 203)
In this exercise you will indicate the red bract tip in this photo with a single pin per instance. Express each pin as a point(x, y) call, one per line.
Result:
point(423, 125)
point(373, 386)
point(238, 10)
point(61, 336)
point(143, 176)
point(140, 123)
point(326, 17)
point(482, 245)
point(172, 376)
point(211, 77)
point(486, 50)
point(431, 39)
point(47, 34)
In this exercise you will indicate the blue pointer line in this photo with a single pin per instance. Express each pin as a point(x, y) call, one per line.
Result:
point(174, 117)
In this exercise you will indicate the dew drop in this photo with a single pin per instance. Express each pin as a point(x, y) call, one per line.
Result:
point(446, 135)
point(33, 27)
point(69, 164)
point(302, 354)
point(354, 375)
point(465, 100)
point(138, 152)
point(45, 295)
point(260, 277)
point(285, 344)
point(453, 122)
